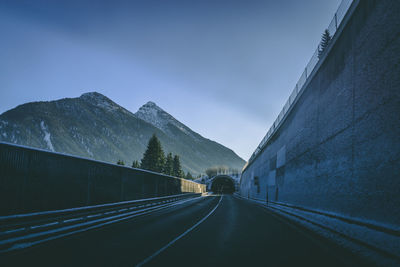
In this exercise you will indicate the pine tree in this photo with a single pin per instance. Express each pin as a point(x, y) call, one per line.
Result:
point(120, 162)
point(189, 176)
point(169, 165)
point(136, 164)
point(153, 157)
point(326, 38)
point(177, 169)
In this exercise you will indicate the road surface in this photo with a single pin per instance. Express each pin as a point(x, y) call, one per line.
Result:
point(213, 231)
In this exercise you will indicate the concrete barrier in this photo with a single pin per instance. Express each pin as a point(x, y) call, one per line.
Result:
point(338, 149)
point(38, 180)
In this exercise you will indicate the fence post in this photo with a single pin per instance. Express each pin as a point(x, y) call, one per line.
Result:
point(336, 21)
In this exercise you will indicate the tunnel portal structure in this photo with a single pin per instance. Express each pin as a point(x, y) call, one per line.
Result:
point(335, 147)
point(223, 184)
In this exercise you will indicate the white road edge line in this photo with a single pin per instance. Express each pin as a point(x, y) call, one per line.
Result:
point(179, 237)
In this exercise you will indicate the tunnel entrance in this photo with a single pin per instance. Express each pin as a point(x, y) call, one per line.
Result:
point(223, 185)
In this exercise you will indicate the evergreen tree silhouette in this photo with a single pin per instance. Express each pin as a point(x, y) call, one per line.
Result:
point(189, 176)
point(169, 165)
point(177, 169)
point(326, 38)
point(153, 158)
point(136, 164)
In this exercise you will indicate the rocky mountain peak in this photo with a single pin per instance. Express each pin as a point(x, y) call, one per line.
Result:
point(154, 115)
point(94, 96)
point(150, 107)
point(151, 104)
point(99, 100)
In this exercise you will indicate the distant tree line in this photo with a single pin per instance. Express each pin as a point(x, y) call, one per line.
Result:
point(155, 160)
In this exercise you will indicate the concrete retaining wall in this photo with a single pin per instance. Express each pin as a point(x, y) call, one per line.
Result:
point(338, 150)
point(37, 180)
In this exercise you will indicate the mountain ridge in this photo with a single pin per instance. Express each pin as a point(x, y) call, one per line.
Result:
point(96, 127)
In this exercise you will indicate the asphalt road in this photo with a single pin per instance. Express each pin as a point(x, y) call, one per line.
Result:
point(212, 231)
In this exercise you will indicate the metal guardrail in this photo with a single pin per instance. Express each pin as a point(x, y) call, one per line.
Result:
point(298, 90)
point(16, 231)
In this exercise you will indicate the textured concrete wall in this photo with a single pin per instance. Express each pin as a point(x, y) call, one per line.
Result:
point(36, 180)
point(339, 148)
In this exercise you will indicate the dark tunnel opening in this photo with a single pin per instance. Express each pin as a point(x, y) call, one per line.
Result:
point(223, 185)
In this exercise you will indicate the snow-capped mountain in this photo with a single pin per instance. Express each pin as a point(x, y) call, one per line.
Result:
point(157, 117)
point(94, 126)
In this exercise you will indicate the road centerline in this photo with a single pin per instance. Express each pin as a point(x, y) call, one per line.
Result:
point(148, 259)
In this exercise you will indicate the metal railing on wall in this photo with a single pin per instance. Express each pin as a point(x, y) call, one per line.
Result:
point(332, 29)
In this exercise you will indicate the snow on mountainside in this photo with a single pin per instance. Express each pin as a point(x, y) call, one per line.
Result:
point(102, 101)
point(157, 117)
point(94, 126)
point(46, 136)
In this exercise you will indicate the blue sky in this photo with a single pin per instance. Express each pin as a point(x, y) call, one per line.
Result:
point(223, 68)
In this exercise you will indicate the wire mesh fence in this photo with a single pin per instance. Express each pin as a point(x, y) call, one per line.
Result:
point(332, 28)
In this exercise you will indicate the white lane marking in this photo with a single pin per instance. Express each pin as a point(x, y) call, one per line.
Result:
point(179, 237)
